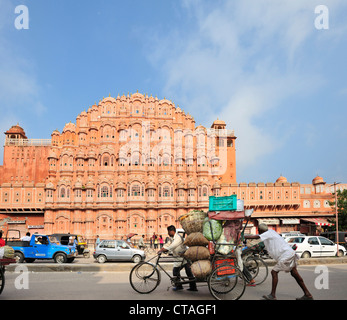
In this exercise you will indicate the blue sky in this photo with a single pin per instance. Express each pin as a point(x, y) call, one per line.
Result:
point(261, 65)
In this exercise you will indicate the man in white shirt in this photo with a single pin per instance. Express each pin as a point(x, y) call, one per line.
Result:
point(177, 248)
point(285, 257)
point(26, 237)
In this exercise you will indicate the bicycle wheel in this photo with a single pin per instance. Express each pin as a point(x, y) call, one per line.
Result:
point(144, 277)
point(2, 279)
point(257, 268)
point(226, 282)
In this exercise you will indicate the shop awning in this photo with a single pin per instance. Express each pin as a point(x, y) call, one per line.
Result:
point(319, 221)
point(269, 221)
point(290, 221)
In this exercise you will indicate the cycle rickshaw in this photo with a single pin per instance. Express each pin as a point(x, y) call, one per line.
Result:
point(225, 282)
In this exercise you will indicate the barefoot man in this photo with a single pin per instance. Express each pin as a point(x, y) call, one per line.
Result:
point(285, 257)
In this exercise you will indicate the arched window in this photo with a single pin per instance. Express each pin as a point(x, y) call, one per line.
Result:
point(106, 161)
point(62, 192)
point(135, 190)
point(204, 192)
point(166, 191)
point(104, 192)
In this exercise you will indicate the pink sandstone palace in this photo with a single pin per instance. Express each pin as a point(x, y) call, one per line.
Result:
point(134, 164)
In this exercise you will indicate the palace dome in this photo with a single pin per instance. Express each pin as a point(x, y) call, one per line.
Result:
point(318, 180)
point(16, 129)
point(281, 179)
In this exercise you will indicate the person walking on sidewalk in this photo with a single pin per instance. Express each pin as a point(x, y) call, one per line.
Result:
point(285, 257)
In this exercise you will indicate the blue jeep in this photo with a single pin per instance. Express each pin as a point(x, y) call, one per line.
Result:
point(41, 247)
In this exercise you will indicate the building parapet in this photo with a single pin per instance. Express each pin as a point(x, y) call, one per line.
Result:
point(28, 142)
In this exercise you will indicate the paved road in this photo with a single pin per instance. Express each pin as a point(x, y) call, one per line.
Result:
point(115, 286)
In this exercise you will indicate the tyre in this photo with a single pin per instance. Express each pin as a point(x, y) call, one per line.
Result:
point(137, 259)
point(257, 268)
point(306, 255)
point(101, 258)
point(2, 280)
point(60, 258)
point(144, 278)
point(19, 257)
point(340, 254)
point(226, 282)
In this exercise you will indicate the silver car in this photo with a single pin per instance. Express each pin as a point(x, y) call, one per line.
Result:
point(117, 250)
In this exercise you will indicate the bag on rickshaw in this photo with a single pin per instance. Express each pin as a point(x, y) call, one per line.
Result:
point(197, 253)
point(229, 237)
point(212, 229)
point(201, 269)
point(196, 239)
point(193, 221)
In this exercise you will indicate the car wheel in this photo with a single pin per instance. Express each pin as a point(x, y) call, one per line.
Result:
point(101, 258)
point(137, 259)
point(60, 258)
point(19, 257)
point(306, 254)
point(340, 254)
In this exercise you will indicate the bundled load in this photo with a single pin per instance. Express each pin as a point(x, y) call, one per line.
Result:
point(193, 221)
point(230, 236)
point(201, 269)
point(212, 229)
point(196, 239)
point(6, 252)
point(198, 254)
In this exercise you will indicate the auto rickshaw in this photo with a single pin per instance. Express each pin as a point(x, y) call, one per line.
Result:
point(64, 239)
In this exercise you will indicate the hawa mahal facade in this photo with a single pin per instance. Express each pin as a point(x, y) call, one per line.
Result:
point(134, 164)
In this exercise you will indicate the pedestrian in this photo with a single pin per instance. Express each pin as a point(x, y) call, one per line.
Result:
point(177, 248)
point(141, 242)
point(156, 242)
point(97, 242)
point(285, 257)
point(161, 241)
point(2, 241)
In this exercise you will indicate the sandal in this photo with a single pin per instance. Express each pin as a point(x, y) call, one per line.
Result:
point(269, 297)
point(305, 298)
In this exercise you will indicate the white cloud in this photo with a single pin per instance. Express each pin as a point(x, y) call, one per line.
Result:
point(241, 62)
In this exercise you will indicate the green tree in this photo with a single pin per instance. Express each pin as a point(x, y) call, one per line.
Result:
point(341, 210)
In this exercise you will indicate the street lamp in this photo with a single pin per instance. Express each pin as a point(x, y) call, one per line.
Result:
point(337, 218)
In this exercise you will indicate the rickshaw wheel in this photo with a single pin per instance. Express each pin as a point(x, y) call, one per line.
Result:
point(226, 282)
point(2, 279)
point(144, 278)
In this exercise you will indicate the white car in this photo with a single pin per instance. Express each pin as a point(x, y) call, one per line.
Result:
point(287, 235)
point(315, 246)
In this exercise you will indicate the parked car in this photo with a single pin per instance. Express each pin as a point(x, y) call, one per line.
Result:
point(41, 247)
point(315, 246)
point(287, 235)
point(117, 250)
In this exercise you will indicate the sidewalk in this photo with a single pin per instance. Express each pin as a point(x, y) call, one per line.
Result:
point(90, 265)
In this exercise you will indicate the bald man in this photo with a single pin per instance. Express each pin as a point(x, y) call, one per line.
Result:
point(285, 257)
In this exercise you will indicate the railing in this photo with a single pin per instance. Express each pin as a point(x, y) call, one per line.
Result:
point(28, 142)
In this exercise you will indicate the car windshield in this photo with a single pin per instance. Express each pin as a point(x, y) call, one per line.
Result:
point(296, 240)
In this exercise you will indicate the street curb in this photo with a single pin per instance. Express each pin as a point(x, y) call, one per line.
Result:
point(126, 267)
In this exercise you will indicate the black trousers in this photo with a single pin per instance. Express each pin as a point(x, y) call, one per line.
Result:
point(177, 273)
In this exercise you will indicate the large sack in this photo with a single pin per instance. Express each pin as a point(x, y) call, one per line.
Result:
point(212, 229)
point(196, 239)
point(201, 269)
point(7, 252)
point(193, 221)
point(197, 253)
